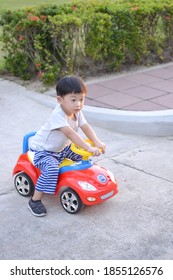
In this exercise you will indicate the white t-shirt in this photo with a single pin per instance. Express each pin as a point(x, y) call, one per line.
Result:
point(49, 137)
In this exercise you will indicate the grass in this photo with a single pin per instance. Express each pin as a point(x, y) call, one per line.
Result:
point(16, 4)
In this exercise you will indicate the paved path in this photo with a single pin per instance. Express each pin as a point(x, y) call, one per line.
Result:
point(149, 89)
point(135, 224)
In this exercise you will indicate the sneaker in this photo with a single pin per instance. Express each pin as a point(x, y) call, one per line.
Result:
point(37, 208)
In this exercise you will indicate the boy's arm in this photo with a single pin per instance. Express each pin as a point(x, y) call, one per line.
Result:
point(77, 139)
point(90, 133)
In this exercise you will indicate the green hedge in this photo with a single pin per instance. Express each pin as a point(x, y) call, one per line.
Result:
point(86, 37)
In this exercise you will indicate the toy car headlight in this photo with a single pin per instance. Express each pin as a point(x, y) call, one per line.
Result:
point(111, 176)
point(86, 186)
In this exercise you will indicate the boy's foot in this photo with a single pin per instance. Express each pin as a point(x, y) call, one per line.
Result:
point(37, 208)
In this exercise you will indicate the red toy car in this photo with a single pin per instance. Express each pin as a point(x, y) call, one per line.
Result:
point(79, 183)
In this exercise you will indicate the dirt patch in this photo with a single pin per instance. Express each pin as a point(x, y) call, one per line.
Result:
point(34, 85)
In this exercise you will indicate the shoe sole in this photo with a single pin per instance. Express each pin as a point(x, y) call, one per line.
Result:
point(37, 215)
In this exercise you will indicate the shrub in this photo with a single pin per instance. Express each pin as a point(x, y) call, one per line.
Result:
point(86, 37)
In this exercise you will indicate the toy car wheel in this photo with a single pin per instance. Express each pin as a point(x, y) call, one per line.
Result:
point(71, 201)
point(23, 184)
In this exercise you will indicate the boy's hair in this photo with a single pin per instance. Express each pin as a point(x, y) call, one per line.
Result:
point(70, 84)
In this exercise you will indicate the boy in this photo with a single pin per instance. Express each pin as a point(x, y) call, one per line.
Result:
point(51, 144)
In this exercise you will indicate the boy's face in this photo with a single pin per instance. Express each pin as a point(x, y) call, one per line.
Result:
point(72, 103)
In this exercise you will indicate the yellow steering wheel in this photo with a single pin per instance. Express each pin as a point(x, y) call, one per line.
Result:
point(78, 150)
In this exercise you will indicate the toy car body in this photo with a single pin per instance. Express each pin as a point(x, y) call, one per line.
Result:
point(79, 183)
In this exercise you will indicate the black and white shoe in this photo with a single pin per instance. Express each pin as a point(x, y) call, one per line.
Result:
point(37, 208)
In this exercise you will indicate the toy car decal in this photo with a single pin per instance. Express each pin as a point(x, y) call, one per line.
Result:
point(102, 178)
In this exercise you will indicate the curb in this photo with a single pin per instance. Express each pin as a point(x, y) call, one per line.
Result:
point(155, 123)
point(150, 123)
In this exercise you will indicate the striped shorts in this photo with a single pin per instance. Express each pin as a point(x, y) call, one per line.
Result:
point(48, 163)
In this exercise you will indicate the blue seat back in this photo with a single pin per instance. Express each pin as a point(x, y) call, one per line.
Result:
point(26, 139)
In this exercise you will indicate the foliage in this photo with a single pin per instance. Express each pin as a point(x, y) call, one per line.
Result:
point(86, 37)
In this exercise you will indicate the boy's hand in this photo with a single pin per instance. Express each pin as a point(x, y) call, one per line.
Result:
point(94, 150)
point(101, 146)
point(90, 134)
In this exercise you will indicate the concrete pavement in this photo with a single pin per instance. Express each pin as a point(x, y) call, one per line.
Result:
point(135, 224)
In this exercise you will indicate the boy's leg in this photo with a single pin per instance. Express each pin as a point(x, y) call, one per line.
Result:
point(71, 155)
point(46, 183)
point(49, 175)
point(37, 195)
